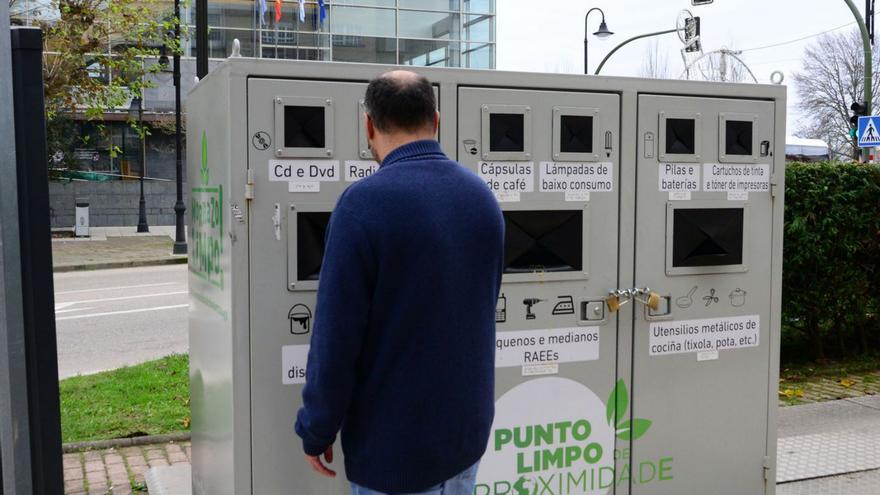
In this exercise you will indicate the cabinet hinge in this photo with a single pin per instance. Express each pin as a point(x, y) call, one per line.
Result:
point(249, 186)
point(767, 466)
point(774, 184)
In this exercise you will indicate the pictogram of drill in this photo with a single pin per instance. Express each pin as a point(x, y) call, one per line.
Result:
point(529, 303)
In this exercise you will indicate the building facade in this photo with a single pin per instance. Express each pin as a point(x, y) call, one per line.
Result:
point(439, 33)
point(444, 33)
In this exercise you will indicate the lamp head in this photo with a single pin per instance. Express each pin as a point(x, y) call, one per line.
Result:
point(603, 31)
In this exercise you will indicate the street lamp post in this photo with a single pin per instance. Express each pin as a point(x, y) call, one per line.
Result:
point(634, 38)
point(179, 206)
point(136, 109)
point(602, 33)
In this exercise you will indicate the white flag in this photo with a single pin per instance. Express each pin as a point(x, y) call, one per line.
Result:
point(302, 10)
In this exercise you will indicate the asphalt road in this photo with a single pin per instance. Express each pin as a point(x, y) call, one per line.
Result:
point(107, 319)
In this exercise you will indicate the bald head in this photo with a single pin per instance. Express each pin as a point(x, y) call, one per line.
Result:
point(400, 101)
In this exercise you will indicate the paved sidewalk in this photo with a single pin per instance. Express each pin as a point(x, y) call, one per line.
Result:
point(823, 448)
point(118, 472)
point(830, 448)
point(114, 247)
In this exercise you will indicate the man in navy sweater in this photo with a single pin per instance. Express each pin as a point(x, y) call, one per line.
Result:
point(402, 356)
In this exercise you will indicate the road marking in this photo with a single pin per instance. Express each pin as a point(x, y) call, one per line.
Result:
point(157, 308)
point(59, 311)
point(116, 288)
point(123, 298)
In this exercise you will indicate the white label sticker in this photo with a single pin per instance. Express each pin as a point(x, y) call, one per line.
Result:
point(737, 195)
point(707, 355)
point(679, 195)
point(708, 334)
point(578, 196)
point(551, 346)
point(293, 364)
point(505, 178)
point(576, 177)
point(540, 369)
point(356, 170)
point(719, 177)
point(303, 187)
point(507, 197)
point(304, 170)
point(679, 177)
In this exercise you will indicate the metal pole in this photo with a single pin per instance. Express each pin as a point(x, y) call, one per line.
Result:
point(38, 311)
point(15, 452)
point(142, 204)
point(634, 38)
point(869, 70)
point(179, 206)
point(587, 36)
point(201, 38)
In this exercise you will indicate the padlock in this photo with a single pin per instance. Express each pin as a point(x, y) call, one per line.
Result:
point(613, 302)
point(653, 301)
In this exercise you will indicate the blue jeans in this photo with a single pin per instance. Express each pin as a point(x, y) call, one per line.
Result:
point(462, 484)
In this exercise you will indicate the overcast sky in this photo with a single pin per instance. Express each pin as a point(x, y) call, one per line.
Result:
point(547, 36)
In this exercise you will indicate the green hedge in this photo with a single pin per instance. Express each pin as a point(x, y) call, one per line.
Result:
point(830, 291)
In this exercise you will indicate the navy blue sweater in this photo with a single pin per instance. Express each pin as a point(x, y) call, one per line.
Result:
point(402, 356)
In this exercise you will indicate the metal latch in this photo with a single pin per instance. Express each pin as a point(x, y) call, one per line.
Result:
point(644, 295)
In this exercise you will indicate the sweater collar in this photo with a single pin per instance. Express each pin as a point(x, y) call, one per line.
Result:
point(425, 148)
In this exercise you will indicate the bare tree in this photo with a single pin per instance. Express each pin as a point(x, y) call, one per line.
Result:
point(832, 79)
point(655, 63)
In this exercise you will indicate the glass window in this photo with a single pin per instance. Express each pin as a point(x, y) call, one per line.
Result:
point(368, 3)
point(290, 17)
point(478, 56)
point(364, 49)
point(220, 42)
point(478, 27)
point(295, 53)
point(431, 25)
point(430, 53)
point(429, 4)
point(236, 14)
point(484, 6)
point(362, 21)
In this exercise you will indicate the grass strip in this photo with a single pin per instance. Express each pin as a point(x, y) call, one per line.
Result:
point(147, 399)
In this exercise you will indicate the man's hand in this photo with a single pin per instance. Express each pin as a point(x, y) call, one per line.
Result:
point(319, 467)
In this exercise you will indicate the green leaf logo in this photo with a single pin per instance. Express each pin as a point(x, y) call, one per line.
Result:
point(204, 172)
point(616, 410)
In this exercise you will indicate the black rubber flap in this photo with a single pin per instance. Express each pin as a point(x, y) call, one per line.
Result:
point(506, 132)
point(680, 136)
point(576, 134)
point(543, 241)
point(303, 127)
point(707, 237)
point(311, 227)
point(738, 137)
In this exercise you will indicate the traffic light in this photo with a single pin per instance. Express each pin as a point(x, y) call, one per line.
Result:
point(859, 109)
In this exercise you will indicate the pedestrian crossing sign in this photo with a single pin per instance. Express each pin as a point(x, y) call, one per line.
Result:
point(869, 132)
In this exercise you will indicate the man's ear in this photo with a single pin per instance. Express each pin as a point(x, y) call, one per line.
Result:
point(436, 122)
point(371, 129)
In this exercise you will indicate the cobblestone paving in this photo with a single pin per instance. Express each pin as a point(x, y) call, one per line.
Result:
point(118, 471)
point(823, 389)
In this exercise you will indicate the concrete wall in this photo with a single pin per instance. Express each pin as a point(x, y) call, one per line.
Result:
point(114, 203)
